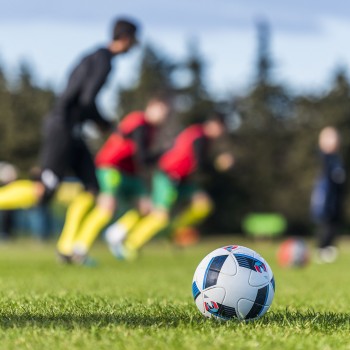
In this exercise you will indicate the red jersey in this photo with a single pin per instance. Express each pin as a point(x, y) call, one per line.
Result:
point(120, 148)
point(181, 160)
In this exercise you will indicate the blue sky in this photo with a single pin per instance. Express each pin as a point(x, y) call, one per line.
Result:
point(309, 39)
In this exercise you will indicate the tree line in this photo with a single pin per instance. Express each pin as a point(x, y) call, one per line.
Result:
point(273, 130)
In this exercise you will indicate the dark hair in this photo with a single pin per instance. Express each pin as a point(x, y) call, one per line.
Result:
point(161, 96)
point(124, 28)
point(217, 116)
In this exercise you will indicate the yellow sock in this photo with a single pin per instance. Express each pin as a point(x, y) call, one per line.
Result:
point(193, 215)
point(92, 226)
point(129, 219)
point(75, 214)
point(146, 229)
point(117, 232)
point(19, 194)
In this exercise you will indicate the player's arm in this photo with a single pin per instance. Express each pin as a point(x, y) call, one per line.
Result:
point(222, 162)
point(97, 76)
point(334, 170)
point(200, 148)
point(142, 155)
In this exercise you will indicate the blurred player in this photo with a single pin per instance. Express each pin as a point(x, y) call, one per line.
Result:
point(121, 166)
point(326, 201)
point(171, 183)
point(8, 174)
point(63, 146)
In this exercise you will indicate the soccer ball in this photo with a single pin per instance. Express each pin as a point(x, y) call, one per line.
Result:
point(233, 282)
point(293, 253)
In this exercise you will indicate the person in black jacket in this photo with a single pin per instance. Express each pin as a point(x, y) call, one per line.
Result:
point(63, 146)
point(326, 200)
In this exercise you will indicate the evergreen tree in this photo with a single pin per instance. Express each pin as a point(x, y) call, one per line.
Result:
point(262, 142)
point(194, 101)
point(6, 118)
point(264, 62)
point(22, 110)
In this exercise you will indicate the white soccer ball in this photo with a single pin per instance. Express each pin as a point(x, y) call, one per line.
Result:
point(233, 282)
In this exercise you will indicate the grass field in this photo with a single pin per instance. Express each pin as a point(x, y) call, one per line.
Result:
point(148, 304)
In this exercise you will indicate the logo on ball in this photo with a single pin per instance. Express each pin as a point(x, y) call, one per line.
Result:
point(229, 248)
point(259, 266)
point(211, 306)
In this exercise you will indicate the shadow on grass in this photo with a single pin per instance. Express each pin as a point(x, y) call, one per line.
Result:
point(320, 321)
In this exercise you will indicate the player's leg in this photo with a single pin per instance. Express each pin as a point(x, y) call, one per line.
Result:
point(101, 214)
point(164, 194)
point(198, 210)
point(20, 194)
point(182, 227)
point(116, 233)
point(92, 225)
point(76, 212)
point(135, 190)
point(82, 164)
point(327, 251)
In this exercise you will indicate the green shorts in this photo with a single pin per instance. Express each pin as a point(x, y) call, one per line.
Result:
point(117, 183)
point(166, 191)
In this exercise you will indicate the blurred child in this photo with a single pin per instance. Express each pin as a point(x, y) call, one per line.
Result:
point(8, 174)
point(121, 165)
point(326, 200)
point(171, 183)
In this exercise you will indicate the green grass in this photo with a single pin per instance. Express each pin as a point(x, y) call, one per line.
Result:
point(147, 304)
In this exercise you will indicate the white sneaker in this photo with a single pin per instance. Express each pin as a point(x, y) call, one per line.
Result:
point(121, 252)
point(115, 234)
point(328, 254)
